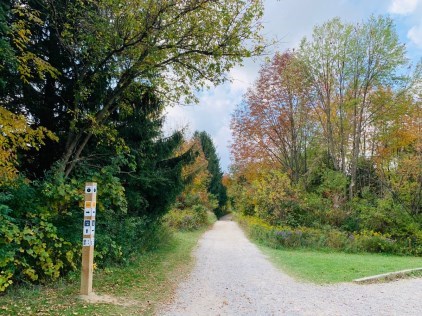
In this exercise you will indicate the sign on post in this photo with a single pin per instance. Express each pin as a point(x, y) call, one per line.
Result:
point(88, 237)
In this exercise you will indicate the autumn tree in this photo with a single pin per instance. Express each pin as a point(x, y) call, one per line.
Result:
point(346, 63)
point(17, 19)
point(395, 140)
point(197, 180)
point(272, 123)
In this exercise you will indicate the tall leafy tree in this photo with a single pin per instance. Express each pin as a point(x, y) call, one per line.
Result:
point(346, 63)
point(104, 48)
point(272, 123)
point(395, 140)
point(363, 141)
point(215, 185)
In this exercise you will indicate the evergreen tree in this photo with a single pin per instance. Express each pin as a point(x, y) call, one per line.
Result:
point(157, 169)
point(216, 186)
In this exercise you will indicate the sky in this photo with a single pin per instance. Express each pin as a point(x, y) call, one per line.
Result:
point(288, 21)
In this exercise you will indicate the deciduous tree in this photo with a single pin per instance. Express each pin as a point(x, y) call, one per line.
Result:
point(272, 123)
point(346, 63)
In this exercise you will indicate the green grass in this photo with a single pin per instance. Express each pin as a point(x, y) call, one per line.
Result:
point(145, 283)
point(334, 267)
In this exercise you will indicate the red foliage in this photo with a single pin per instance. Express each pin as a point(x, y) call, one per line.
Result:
point(269, 125)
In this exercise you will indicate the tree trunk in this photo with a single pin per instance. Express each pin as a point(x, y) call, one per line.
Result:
point(356, 145)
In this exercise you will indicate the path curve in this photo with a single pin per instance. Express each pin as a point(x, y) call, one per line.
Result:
point(232, 277)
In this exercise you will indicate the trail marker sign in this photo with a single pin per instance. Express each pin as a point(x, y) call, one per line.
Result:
point(88, 237)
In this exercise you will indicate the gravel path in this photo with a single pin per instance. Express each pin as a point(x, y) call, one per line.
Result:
point(232, 277)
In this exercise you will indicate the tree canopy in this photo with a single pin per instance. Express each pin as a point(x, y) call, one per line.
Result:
point(101, 50)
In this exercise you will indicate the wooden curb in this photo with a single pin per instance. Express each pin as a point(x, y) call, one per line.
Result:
point(386, 276)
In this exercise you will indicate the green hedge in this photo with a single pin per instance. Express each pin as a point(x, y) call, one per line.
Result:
point(305, 237)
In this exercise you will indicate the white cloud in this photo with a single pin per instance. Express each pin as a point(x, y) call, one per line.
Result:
point(415, 35)
point(176, 119)
point(212, 114)
point(222, 140)
point(241, 80)
point(403, 7)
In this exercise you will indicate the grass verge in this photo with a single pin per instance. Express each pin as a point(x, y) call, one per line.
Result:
point(335, 267)
point(140, 287)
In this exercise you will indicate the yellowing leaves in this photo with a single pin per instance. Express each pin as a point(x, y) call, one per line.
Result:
point(29, 64)
point(35, 250)
point(15, 135)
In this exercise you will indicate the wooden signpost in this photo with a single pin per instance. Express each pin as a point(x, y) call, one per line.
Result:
point(88, 237)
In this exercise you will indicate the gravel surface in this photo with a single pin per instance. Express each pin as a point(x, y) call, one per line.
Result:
point(232, 277)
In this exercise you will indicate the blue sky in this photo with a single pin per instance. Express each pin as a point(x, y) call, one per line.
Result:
point(288, 21)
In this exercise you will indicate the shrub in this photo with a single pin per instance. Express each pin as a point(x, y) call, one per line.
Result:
point(272, 198)
point(371, 241)
point(31, 247)
point(385, 216)
point(41, 227)
point(187, 219)
point(315, 238)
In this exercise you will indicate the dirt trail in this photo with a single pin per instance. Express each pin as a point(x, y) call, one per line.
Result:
point(232, 277)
